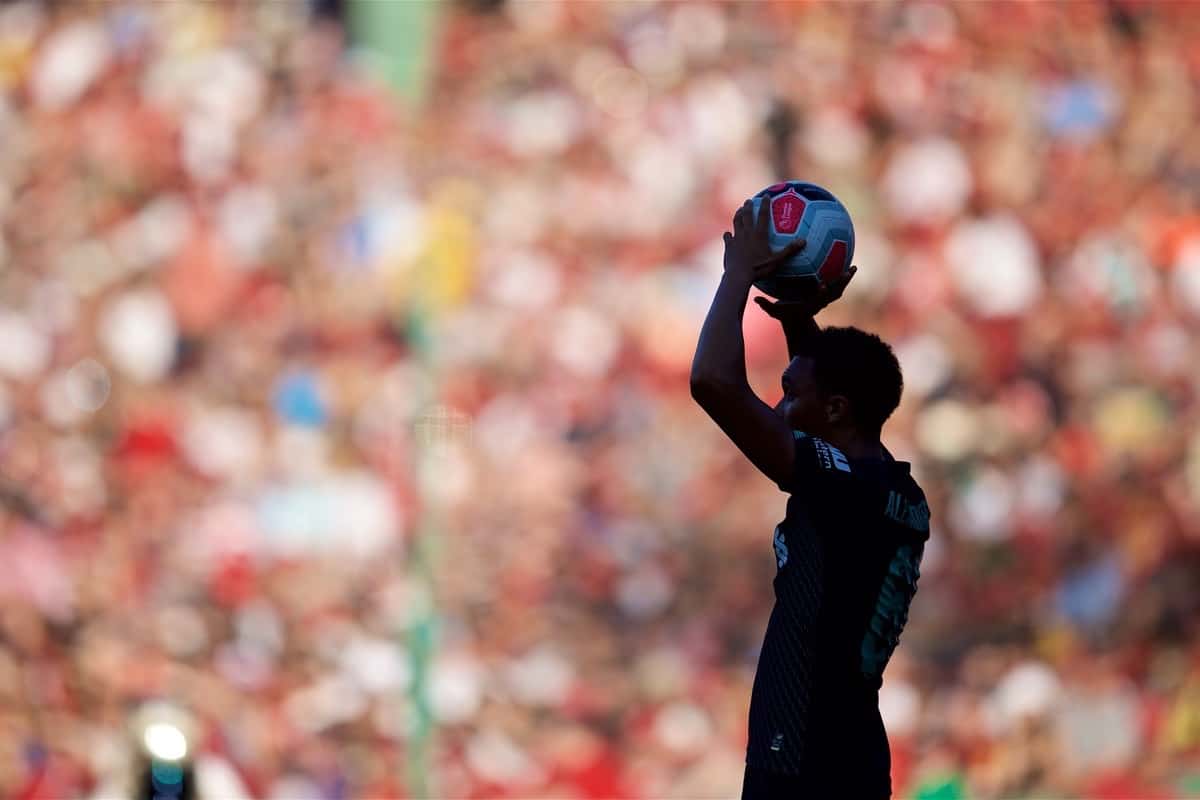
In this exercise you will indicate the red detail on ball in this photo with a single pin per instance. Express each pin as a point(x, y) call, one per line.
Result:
point(786, 210)
point(776, 187)
point(835, 262)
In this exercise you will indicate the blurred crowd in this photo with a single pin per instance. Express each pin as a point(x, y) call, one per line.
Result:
point(361, 429)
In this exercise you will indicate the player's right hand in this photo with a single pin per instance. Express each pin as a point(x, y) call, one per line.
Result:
point(748, 253)
point(787, 311)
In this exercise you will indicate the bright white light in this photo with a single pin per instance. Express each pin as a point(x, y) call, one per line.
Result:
point(165, 741)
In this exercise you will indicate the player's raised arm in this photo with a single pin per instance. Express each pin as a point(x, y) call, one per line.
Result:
point(797, 316)
point(718, 380)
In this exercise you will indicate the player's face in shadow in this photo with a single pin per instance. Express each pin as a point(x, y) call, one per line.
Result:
point(803, 405)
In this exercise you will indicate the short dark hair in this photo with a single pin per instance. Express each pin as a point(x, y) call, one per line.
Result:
point(861, 367)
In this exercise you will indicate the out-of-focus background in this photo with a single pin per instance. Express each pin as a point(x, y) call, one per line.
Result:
point(343, 398)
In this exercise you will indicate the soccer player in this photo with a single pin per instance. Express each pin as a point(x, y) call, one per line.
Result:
point(849, 548)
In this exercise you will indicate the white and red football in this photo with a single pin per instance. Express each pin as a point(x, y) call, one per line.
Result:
point(805, 211)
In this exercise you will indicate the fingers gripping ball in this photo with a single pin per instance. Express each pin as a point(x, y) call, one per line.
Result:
point(805, 211)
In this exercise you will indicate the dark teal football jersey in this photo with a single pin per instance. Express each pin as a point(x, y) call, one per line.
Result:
point(848, 557)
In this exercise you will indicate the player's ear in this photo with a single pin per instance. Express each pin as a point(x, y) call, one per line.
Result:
point(837, 410)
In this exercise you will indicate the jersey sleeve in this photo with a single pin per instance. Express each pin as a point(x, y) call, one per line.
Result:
point(815, 463)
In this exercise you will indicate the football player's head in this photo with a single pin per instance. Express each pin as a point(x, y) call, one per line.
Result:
point(848, 384)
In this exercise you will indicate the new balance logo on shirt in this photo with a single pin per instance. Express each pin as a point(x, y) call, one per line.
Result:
point(829, 456)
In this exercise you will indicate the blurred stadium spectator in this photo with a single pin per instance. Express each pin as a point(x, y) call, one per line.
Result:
point(268, 331)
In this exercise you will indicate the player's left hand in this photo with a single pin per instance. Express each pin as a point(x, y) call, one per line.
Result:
point(748, 253)
point(789, 311)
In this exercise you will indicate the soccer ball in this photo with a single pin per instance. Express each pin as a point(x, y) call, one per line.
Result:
point(805, 211)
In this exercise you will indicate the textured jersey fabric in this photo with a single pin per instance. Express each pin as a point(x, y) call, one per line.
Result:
point(847, 555)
